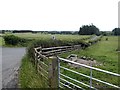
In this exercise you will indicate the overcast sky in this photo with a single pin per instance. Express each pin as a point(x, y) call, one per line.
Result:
point(59, 15)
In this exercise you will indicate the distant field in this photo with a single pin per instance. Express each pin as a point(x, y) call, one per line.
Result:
point(45, 40)
point(48, 36)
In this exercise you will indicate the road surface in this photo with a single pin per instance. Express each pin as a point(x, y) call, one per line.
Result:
point(11, 60)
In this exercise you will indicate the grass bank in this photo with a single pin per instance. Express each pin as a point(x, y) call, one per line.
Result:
point(28, 76)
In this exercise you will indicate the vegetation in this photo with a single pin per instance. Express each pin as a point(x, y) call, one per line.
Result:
point(50, 36)
point(106, 33)
point(67, 41)
point(14, 40)
point(42, 32)
point(1, 41)
point(22, 31)
point(45, 40)
point(28, 76)
point(84, 30)
point(104, 53)
point(88, 30)
point(116, 31)
point(31, 53)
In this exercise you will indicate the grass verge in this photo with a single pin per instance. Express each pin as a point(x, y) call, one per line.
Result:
point(1, 41)
point(28, 76)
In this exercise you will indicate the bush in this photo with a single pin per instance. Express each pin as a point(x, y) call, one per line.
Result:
point(14, 40)
point(106, 39)
point(11, 39)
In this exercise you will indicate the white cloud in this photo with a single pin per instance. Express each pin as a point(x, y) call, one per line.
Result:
point(58, 14)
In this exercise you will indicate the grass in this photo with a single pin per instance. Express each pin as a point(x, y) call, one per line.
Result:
point(44, 40)
point(46, 37)
point(49, 36)
point(28, 76)
point(103, 52)
point(1, 41)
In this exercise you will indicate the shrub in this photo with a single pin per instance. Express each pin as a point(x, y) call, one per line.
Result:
point(11, 39)
point(14, 40)
point(106, 39)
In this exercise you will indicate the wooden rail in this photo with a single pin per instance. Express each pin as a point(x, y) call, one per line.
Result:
point(47, 66)
point(55, 50)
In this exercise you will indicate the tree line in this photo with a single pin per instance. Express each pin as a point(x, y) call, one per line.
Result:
point(83, 30)
point(43, 32)
point(92, 29)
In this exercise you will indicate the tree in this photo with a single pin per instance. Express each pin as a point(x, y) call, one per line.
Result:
point(106, 33)
point(116, 31)
point(88, 30)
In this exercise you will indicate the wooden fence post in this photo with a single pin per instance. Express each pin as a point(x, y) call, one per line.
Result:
point(36, 57)
point(53, 72)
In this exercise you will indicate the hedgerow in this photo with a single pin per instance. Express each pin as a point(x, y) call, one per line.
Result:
point(14, 40)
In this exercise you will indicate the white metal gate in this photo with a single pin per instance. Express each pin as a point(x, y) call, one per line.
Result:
point(91, 78)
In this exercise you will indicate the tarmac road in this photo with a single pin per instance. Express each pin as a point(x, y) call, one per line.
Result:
point(11, 60)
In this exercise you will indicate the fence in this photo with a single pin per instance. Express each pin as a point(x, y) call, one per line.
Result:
point(81, 74)
point(50, 67)
point(56, 50)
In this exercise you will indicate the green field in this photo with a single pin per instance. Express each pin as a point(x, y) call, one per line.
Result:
point(103, 52)
point(49, 36)
point(44, 40)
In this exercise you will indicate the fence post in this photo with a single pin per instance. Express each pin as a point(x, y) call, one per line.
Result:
point(36, 57)
point(53, 72)
point(90, 75)
point(58, 72)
